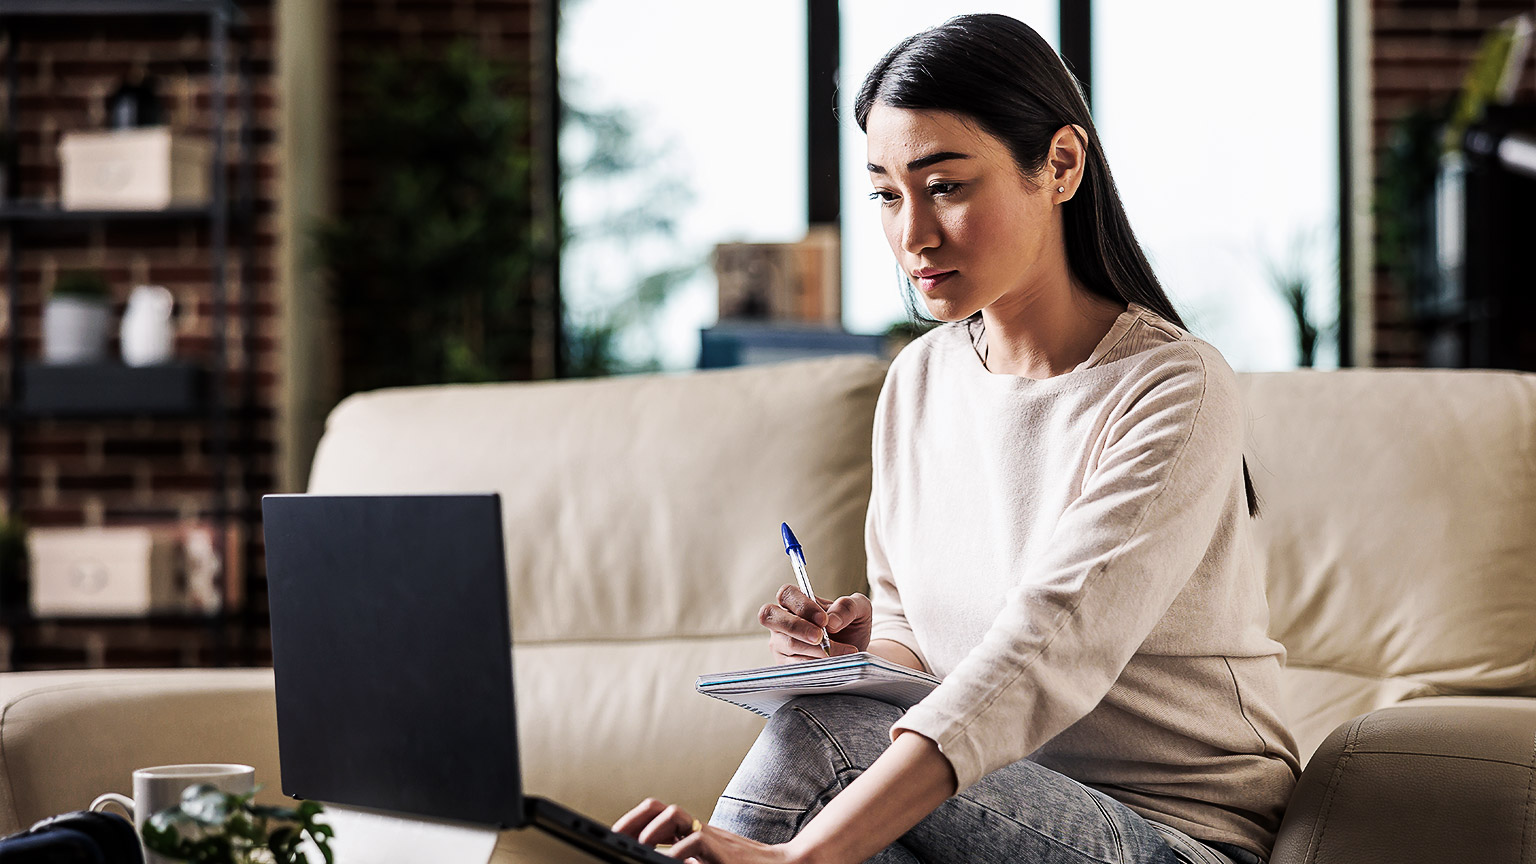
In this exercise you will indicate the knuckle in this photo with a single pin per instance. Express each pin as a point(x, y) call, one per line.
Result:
point(787, 595)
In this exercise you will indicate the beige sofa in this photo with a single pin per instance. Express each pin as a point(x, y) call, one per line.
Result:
point(1398, 537)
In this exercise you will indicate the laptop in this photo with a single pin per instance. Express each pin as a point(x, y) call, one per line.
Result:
point(392, 651)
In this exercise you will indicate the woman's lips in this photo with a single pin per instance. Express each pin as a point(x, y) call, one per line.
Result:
point(930, 280)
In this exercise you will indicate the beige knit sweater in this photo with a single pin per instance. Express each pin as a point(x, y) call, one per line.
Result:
point(1071, 555)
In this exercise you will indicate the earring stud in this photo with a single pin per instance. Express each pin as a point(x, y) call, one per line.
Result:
point(1061, 188)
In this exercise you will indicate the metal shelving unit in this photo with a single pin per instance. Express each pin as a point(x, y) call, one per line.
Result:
point(21, 219)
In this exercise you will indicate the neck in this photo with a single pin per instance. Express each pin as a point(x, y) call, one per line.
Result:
point(1044, 333)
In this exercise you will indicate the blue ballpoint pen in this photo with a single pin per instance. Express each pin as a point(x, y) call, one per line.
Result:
point(797, 560)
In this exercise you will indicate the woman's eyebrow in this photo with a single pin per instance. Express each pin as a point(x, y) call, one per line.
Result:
point(924, 162)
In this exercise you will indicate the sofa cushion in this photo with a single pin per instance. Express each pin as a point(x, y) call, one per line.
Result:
point(66, 737)
point(1397, 534)
point(640, 507)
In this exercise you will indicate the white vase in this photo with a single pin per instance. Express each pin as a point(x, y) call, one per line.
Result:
point(75, 330)
point(148, 334)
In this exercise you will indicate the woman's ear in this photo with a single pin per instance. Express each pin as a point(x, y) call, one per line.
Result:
point(1068, 156)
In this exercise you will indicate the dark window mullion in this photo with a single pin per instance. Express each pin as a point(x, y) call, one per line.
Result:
point(1076, 17)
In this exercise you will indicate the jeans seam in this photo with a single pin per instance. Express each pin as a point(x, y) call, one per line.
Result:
point(831, 739)
point(1031, 829)
point(1205, 853)
point(749, 802)
point(1114, 829)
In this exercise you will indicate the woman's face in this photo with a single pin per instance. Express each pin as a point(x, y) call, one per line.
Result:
point(964, 224)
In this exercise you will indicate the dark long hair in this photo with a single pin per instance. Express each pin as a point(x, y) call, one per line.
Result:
point(1001, 75)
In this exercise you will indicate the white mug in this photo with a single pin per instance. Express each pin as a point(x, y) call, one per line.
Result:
point(155, 789)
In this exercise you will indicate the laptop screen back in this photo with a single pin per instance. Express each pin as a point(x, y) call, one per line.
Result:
point(391, 646)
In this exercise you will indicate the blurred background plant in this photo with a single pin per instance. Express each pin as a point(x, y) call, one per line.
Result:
point(1292, 274)
point(431, 273)
point(1404, 200)
point(608, 319)
point(632, 203)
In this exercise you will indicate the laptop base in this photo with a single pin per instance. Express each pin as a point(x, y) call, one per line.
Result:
point(589, 835)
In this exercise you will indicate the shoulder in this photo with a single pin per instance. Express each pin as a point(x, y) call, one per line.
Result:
point(1180, 361)
point(1183, 393)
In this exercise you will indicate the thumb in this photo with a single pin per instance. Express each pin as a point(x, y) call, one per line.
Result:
point(834, 621)
point(841, 613)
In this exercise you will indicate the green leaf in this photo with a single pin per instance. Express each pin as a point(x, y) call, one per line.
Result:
point(207, 804)
point(161, 837)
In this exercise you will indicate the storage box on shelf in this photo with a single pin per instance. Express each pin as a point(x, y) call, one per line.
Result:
point(133, 169)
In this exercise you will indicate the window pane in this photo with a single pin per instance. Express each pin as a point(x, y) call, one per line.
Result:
point(871, 290)
point(712, 96)
point(1220, 124)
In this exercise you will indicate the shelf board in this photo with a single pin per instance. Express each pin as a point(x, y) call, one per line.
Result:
point(226, 8)
point(37, 211)
point(160, 619)
point(101, 390)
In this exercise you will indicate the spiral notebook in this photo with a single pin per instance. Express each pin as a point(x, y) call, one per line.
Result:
point(766, 689)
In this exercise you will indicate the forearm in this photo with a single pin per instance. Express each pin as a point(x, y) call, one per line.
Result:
point(909, 781)
point(890, 649)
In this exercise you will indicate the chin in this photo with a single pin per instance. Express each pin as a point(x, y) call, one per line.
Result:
point(947, 311)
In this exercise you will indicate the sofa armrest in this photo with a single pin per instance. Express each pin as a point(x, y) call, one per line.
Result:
point(1431, 780)
point(66, 737)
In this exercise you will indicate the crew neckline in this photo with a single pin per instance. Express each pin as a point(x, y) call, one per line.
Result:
point(1117, 330)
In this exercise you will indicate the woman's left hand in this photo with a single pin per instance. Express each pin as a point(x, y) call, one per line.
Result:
point(653, 822)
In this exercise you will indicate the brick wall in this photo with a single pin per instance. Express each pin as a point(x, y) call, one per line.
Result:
point(130, 471)
point(1421, 50)
point(136, 470)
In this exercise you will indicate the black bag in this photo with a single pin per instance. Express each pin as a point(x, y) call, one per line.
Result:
point(82, 837)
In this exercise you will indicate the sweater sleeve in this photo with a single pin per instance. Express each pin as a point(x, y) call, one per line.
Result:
point(1118, 556)
point(890, 617)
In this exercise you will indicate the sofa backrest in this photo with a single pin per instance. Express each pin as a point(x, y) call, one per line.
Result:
point(1398, 534)
point(642, 522)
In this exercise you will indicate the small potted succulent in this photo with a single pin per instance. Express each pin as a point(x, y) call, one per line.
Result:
point(77, 318)
point(211, 826)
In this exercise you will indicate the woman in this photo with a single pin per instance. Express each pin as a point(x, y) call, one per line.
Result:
point(1058, 526)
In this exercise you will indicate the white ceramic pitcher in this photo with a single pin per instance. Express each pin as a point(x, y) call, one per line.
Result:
point(148, 334)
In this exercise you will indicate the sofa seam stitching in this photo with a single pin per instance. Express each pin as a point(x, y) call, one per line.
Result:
point(1333, 785)
point(10, 778)
point(1420, 678)
point(1457, 756)
point(1530, 785)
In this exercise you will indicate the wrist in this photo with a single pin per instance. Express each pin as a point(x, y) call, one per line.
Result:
point(801, 851)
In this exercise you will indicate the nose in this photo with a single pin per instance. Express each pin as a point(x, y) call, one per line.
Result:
point(919, 228)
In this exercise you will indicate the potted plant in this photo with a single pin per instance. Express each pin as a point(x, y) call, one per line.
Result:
point(211, 826)
point(77, 318)
point(432, 272)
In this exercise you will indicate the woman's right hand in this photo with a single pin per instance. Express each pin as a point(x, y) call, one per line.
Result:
point(794, 624)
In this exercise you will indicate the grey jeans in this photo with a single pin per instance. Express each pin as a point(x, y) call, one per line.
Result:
point(815, 746)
